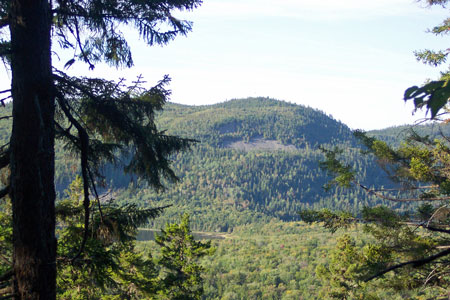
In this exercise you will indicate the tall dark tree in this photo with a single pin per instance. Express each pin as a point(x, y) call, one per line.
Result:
point(32, 150)
point(94, 117)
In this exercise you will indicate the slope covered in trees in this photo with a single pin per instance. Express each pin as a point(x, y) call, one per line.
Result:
point(256, 159)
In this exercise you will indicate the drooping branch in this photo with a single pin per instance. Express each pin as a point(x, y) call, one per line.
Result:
point(84, 145)
point(80, 46)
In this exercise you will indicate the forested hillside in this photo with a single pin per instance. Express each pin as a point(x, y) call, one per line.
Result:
point(256, 159)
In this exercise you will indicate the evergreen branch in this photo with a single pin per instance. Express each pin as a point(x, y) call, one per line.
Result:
point(77, 37)
point(76, 86)
point(66, 133)
point(415, 263)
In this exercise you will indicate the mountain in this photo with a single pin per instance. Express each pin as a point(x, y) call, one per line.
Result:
point(396, 134)
point(256, 159)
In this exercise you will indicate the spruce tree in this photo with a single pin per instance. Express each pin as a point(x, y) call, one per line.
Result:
point(95, 118)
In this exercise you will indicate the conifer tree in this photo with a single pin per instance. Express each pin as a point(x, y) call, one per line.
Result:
point(417, 241)
point(181, 273)
point(94, 117)
point(111, 267)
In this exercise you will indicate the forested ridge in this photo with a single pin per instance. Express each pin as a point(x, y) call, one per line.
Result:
point(256, 159)
point(255, 165)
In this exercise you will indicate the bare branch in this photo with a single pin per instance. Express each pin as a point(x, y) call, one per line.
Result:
point(414, 263)
point(406, 189)
point(374, 192)
point(435, 214)
point(435, 229)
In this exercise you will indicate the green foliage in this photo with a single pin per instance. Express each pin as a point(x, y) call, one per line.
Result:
point(5, 237)
point(110, 267)
point(433, 95)
point(109, 264)
point(344, 174)
point(332, 220)
point(342, 270)
point(401, 241)
point(100, 21)
point(281, 260)
point(420, 164)
point(222, 186)
point(180, 252)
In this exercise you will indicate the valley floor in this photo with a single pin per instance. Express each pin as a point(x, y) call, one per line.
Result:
point(277, 260)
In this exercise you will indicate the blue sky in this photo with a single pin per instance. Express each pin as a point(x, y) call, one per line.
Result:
point(352, 59)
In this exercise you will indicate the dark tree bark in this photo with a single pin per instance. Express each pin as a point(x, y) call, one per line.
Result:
point(32, 151)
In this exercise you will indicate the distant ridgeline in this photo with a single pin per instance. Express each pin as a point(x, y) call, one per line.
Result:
point(256, 159)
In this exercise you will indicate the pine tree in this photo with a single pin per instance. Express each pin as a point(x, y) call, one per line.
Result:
point(96, 118)
point(181, 273)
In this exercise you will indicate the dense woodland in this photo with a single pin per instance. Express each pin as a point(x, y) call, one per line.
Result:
point(85, 161)
point(222, 187)
point(254, 196)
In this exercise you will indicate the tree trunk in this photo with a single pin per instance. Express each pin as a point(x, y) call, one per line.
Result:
point(32, 151)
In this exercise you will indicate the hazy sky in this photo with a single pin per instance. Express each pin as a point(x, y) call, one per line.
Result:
point(352, 59)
